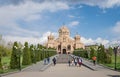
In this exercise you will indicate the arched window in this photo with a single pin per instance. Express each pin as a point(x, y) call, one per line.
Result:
point(69, 47)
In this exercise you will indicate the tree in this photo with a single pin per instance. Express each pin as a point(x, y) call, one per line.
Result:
point(26, 55)
point(92, 52)
point(102, 56)
point(0, 59)
point(110, 51)
point(108, 55)
point(32, 53)
point(14, 63)
point(38, 56)
point(80, 52)
point(86, 54)
point(0, 52)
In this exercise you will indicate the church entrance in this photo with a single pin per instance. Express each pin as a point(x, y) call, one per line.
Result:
point(64, 51)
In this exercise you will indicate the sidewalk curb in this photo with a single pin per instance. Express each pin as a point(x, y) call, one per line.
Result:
point(89, 67)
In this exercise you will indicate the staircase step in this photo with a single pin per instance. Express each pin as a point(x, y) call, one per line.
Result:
point(63, 58)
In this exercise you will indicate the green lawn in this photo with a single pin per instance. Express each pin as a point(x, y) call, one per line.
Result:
point(6, 62)
point(113, 62)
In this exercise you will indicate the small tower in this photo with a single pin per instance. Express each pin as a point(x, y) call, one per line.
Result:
point(77, 43)
point(77, 38)
point(50, 37)
point(50, 43)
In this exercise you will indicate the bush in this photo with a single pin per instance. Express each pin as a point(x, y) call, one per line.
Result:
point(81, 53)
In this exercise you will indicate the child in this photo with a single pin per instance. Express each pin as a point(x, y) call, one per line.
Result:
point(72, 63)
point(69, 62)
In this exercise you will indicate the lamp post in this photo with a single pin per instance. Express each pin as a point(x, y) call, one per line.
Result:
point(115, 49)
point(115, 53)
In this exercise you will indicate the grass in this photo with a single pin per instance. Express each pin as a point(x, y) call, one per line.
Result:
point(7, 70)
point(113, 62)
point(6, 62)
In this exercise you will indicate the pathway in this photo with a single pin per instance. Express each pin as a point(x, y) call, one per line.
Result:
point(63, 70)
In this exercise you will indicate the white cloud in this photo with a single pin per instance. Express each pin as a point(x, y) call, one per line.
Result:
point(109, 3)
point(74, 23)
point(91, 41)
point(43, 39)
point(100, 3)
point(30, 40)
point(14, 29)
point(32, 18)
point(29, 11)
point(104, 3)
point(116, 28)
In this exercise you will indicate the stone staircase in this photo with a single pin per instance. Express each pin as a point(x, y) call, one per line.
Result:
point(63, 58)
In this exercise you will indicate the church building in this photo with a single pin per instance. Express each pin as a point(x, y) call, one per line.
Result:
point(64, 43)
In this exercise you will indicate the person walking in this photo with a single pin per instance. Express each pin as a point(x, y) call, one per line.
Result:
point(69, 62)
point(48, 60)
point(80, 61)
point(75, 61)
point(94, 60)
point(54, 61)
point(45, 61)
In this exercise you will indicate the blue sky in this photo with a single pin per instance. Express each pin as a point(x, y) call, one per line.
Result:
point(96, 21)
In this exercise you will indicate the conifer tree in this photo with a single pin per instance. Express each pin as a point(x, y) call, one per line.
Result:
point(32, 52)
point(0, 61)
point(26, 55)
point(14, 63)
point(101, 54)
point(38, 56)
point(92, 52)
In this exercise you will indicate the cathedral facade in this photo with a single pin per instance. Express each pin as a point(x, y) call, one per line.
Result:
point(64, 43)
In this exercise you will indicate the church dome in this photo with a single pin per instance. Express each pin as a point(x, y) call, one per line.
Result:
point(63, 29)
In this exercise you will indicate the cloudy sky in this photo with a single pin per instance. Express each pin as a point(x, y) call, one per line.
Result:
point(96, 21)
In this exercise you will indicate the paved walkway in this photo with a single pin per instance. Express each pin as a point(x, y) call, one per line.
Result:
point(63, 70)
point(39, 66)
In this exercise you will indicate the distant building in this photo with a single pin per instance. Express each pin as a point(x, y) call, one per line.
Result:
point(64, 43)
point(91, 46)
